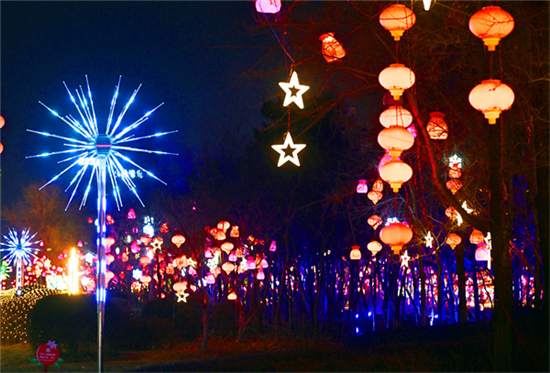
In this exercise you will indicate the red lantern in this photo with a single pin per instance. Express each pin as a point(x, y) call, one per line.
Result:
point(436, 127)
point(454, 172)
point(378, 186)
point(396, 235)
point(164, 228)
point(234, 231)
point(145, 239)
point(476, 237)
point(395, 140)
point(2, 121)
point(396, 78)
point(397, 19)
point(332, 48)
point(454, 185)
point(492, 97)
point(374, 221)
point(396, 173)
point(453, 240)
point(375, 196)
point(491, 24)
point(396, 115)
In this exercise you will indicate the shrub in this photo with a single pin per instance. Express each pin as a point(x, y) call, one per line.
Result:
point(188, 322)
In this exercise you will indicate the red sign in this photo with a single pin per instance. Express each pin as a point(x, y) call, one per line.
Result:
point(47, 353)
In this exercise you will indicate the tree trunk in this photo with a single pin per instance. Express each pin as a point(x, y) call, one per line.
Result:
point(423, 319)
point(461, 272)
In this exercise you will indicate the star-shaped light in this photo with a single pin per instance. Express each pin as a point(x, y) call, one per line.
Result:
point(52, 344)
point(191, 262)
point(467, 208)
point(405, 259)
point(455, 160)
point(156, 244)
point(294, 91)
point(283, 150)
point(182, 296)
point(429, 240)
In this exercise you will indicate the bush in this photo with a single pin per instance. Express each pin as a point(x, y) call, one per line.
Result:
point(188, 322)
point(148, 332)
point(160, 308)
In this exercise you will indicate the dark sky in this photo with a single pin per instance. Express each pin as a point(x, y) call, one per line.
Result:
point(189, 55)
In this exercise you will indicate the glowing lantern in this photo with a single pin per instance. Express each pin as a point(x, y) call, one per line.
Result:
point(220, 235)
point(355, 253)
point(210, 279)
point(232, 257)
point(145, 279)
point(145, 239)
point(131, 214)
point(134, 248)
point(375, 196)
point(179, 286)
point(164, 228)
point(223, 225)
point(454, 185)
point(260, 275)
point(396, 115)
point(492, 97)
point(234, 231)
point(178, 240)
point(264, 263)
point(109, 241)
point(397, 19)
point(110, 220)
point(453, 214)
point(232, 296)
point(250, 263)
point(239, 253)
point(395, 140)
point(387, 158)
point(491, 24)
point(362, 187)
point(332, 48)
point(482, 253)
point(427, 4)
point(144, 260)
point(273, 246)
point(109, 258)
point(374, 247)
point(1, 148)
point(436, 127)
point(2, 121)
point(453, 240)
point(268, 6)
point(476, 237)
point(227, 247)
point(396, 78)
point(454, 172)
point(396, 173)
point(208, 253)
point(378, 186)
point(396, 235)
point(124, 257)
point(109, 276)
point(374, 221)
point(228, 267)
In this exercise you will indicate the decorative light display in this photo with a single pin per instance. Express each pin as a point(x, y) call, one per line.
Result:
point(20, 250)
point(374, 196)
point(436, 127)
point(178, 240)
point(427, 4)
point(396, 78)
point(396, 235)
point(284, 148)
point(491, 97)
point(491, 24)
point(451, 213)
point(74, 280)
point(4, 270)
point(182, 296)
point(397, 19)
point(374, 247)
point(396, 115)
point(476, 237)
point(268, 6)
point(453, 240)
point(332, 49)
point(374, 221)
point(355, 253)
point(362, 187)
point(454, 185)
point(378, 186)
point(404, 259)
point(395, 140)
point(429, 240)
point(396, 173)
point(294, 91)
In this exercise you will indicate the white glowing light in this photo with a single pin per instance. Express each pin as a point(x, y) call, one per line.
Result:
point(89, 257)
point(455, 159)
point(73, 272)
point(149, 230)
point(429, 240)
point(136, 274)
point(20, 250)
point(405, 259)
point(392, 220)
point(182, 296)
point(296, 97)
point(283, 153)
point(94, 146)
point(427, 4)
point(467, 208)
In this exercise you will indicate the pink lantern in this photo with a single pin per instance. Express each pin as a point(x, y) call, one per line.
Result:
point(355, 253)
point(268, 6)
point(109, 258)
point(396, 173)
point(492, 97)
point(396, 235)
point(208, 253)
point(131, 214)
point(396, 78)
point(362, 187)
point(109, 276)
point(232, 257)
point(134, 248)
point(210, 279)
point(374, 247)
point(332, 48)
point(264, 263)
point(397, 19)
point(396, 115)
point(482, 253)
point(273, 246)
point(395, 140)
point(109, 241)
point(436, 127)
point(491, 24)
point(260, 275)
point(250, 263)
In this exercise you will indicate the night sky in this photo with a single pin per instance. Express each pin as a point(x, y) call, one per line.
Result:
point(193, 56)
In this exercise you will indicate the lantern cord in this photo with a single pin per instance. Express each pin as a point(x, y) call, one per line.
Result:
point(491, 66)
point(397, 52)
point(279, 40)
point(288, 128)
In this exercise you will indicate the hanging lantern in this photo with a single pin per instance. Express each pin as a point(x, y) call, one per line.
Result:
point(232, 296)
point(145, 239)
point(208, 253)
point(332, 48)
point(264, 263)
point(131, 214)
point(375, 196)
point(179, 286)
point(375, 221)
point(145, 279)
point(268, 6)
point(395, 140)
point(234, 231)
point(210, 279)
point(362, 187)
point(227, 247)
point(397, 19)
point(451, 212)
point(250, 263)
point(492, 97)
point(396, 235)
point(273, 246)
point(396, 115)
point(355, 253)
point(228, 267)
point(436, 127)
point(453, 240)
point(223, 225)
point(144, 260)
point(396, 173)
point(178, 240)
point(378, 186)
point(454, 172)
point(396, 78)
point(164, 228)
point(482, 253)
point(260, 275)
point(374, 247)
point(109, 258)
point(232, 257)
point(454, 185)
point(476, 237)
point(491, 24)
point(2, 121)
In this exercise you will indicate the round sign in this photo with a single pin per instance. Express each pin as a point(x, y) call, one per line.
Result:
point(46, 354)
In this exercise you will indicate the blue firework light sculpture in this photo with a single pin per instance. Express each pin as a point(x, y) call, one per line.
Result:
point(94, 148)
point(20, 250)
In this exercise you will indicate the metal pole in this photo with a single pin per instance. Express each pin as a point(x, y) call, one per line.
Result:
point(101, 263)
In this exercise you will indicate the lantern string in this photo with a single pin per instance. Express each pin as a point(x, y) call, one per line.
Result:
point(491, 66)
point(288, 125)
point(279, 40)
point(397, 51)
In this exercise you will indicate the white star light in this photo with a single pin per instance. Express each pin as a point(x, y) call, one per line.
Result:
point(429, 240)
point(182, 296)
point(290, 97)
point(96, 149)
point(281, 149)
point(405, 259)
